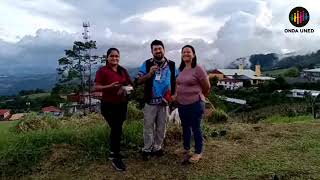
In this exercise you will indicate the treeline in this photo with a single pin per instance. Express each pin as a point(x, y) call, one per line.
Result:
point(29, 92)
point(25, 101)
point(300, 61)
point(271, 61)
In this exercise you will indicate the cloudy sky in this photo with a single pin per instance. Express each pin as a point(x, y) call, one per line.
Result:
point(34, 33)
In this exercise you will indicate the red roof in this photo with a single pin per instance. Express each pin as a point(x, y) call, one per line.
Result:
point(73, 97)
point(3, 111)
point(51, 109)
point(215, 71)
point(79, 97)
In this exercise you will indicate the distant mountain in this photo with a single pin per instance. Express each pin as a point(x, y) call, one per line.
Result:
point(13, 81)
point(267, 61)
point(278, 61)
point(133, 72)
point(245, 61)
point(302, 61)
point(13, 84)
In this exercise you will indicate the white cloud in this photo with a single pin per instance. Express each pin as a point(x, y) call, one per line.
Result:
point(182, 24)
point(220, 30)
point(18, 22)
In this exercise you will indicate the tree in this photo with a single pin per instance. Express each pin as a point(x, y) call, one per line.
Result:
point(75, 66)
point(214, 81)
point(292, 72)
point(265, 60)
point(282, 83)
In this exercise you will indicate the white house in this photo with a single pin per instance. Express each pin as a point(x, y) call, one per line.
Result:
point(301, 93)
point(230, 84)
point(311, 74)
point(52, 110)
point(244, 75)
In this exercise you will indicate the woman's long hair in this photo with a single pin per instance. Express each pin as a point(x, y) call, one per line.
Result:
point(194, 60)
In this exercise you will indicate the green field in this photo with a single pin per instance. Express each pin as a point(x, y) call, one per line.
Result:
point(275, 73)
point(39, 95)
point(279, 147)
point(4, 130)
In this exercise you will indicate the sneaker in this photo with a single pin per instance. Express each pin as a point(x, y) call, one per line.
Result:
point(195, 158)
point(118, 164)
point(146, 155)
point(158, 153)
point(112, 156)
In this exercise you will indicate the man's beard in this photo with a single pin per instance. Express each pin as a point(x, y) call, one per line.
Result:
point(158, 58)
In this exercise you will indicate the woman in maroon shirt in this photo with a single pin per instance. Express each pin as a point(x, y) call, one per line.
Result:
point(113, 81)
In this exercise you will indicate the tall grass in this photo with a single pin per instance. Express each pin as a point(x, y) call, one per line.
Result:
point(218, 116)
point(285, 119)
point(33, 139)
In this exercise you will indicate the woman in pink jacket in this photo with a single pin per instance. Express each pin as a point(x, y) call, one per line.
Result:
point(192, 87)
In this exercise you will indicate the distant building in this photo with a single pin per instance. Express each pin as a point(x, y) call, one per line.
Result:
point(5, 114)
point(246, 76)
point(75, 100)
point(84, 98)
point(52, 110)
point(230, 84)
point(301, 93)
point(311, 74)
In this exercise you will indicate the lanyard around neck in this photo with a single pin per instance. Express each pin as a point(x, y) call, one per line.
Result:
point(162, 64)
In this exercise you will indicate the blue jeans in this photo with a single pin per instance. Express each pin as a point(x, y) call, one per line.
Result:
point(191, 116)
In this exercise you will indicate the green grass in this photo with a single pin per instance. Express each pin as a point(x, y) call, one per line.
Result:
point(5, 125)
point(263, 151)
point(30, 144)
point(77, 147)
point(5, 131)
point(276, 72)
point(281, 119)
point(39, 95)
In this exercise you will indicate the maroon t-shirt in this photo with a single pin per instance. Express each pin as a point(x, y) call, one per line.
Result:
point(105, 76)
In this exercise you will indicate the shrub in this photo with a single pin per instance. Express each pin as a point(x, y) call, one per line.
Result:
point(38, 135)
point(33, 122)
point(133, 112)
point(218, 116)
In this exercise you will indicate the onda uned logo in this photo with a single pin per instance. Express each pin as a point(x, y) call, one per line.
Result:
point(299, 17)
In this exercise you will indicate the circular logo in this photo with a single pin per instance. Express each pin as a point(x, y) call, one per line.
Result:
point(299, 16)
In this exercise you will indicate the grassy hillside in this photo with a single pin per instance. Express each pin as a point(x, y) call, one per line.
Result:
point(38, 95)
point(275, 73)
point(76, 148)
point(304, 61)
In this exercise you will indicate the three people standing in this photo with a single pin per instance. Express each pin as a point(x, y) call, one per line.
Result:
point(163, 84)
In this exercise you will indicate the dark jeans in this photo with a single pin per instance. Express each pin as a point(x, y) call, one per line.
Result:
point(191, 116)
point(115, 115)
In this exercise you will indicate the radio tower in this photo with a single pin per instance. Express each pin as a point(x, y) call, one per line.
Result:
point(85, 34)
point(87, 54)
